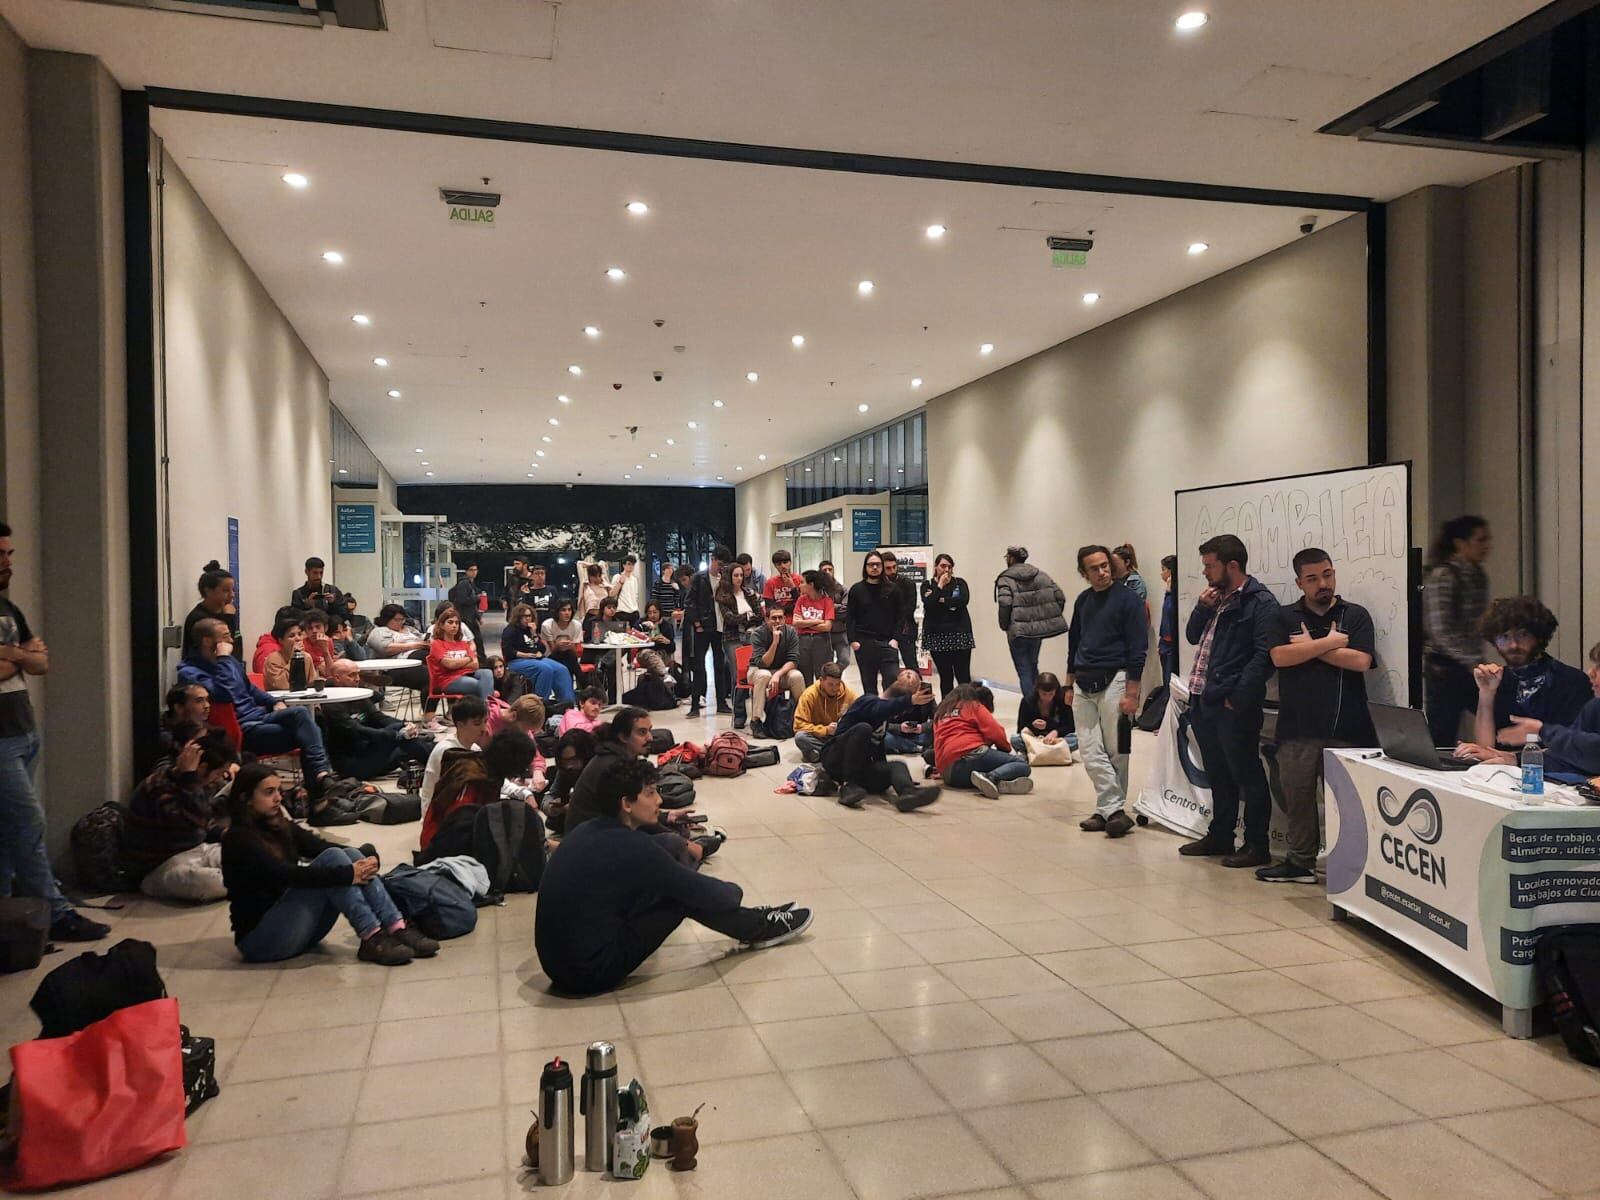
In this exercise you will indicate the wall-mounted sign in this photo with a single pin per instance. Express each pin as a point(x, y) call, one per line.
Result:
point(357, 526)
point(233, 562)
point(866, 529)
point(470, 216)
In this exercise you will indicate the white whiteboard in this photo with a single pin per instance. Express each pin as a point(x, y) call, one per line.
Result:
point(1361, 517)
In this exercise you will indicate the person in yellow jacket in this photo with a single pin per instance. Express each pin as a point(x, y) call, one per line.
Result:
point(821, 705)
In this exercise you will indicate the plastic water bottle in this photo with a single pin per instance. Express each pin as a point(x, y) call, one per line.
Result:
point(1533, 767)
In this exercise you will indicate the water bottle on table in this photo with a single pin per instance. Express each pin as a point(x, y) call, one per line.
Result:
point(1533, 767)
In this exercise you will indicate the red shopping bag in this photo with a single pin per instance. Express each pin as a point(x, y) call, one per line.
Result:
point(105, 1099)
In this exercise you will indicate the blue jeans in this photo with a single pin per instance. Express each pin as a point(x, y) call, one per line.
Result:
point(1025, 657)
point(24, 862)
point(895, 742)
point(996, 764)
point(546, 679)
point(302, 917)
point(479, 683)
point(291, 728)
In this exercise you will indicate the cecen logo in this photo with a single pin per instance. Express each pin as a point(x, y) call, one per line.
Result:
point(1420, 814)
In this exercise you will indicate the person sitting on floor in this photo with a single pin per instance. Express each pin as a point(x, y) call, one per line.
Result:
point(277, 670)
point(266, 726)
point(573, 753)
point(468, 777)
point(287, 887)
point(816, 716)
point(971, 749)
point(609, 898)
point(469, 730)
point(586, 715)
point(527, 714)
point(188, 704)
point(170, 840)
point(854, 757)
point(1044, 715)
point(363, 741)
point(912, 731)
point(453, 665)
point(524, 653)
point(774, 663)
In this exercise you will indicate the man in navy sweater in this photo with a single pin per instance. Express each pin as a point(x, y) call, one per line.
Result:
point(1531, 685)
point(1107, 641)
point(608, 898)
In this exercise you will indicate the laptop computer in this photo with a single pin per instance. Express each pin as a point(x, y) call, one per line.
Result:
point(1404, 735)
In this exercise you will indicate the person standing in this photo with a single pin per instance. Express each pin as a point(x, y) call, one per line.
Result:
point(593, 589)
point(315, 593)
point(906, 635)
point(1455, 595)
point(668, 596)
point(628, 588)
point(838, 633)
point(1107, 642)
point(783, 585)
point(518, 583)
point(874, 616)
point(1323, 649)
point(24, 861)
point(946, 624)
point(1167, 643)
point(1232, 629)
point(738, 612)
point(702, 634)
point(464, 595)
point(216, 600)
point(1032, 608)
point(812, 618)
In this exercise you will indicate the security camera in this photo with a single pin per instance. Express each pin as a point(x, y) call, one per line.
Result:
point(656, 375)
point(616, 387)
point(1308, 223)
point(658, 322)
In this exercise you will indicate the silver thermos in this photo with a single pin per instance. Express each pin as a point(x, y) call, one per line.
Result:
point(598, 1103)
point(555, 1123)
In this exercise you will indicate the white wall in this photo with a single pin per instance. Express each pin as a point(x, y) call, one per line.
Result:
point(1258, 372)
point(755, 503)
point(246, 420)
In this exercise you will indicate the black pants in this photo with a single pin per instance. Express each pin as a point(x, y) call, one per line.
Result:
point(908, 646)
point(877, 660)
point(697, 643)
point(955, 666)
point(1230, 745)
point(1450, 691)
point(856, 756)
point(380, 756)
point(646, 929)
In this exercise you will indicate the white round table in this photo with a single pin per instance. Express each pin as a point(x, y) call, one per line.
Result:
point(330, 695)
point(379, 665)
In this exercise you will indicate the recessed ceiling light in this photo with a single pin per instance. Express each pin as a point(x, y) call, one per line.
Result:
point(862, 407)
point(380, 362)
point(836, 458)
point(751, 376)
point(1190, 21)
point(808, 470)
point(592, 330)
point(762, 457)
point(1198, 247)
point(638, 466)
point(565, 399)
point(574, 369)
point(419, 449)
point(1091, 297)
point(936, 231)
point(546, 438)
point(394, 394)
point(986, 348)
point(901, 470)
point(638, 207)
point(538, 453)
point(716, 404)
point(616, 273)
point(535, 466)
point(869, 479)
point(429, 474)
point(530, 474)
point(653, 454)
point(719, 478)
point(555, 421)
point(738, 468)
point(343, 471)
point(361, 319)
point(332, 256)
point(694, 424)
point(672, 441)
point(426, 463)
point(625, 475)
point(798, 340)
point(917, 382)
point(865, 287)
point(295, 180)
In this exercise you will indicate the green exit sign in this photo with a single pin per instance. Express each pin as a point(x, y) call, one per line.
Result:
point(465, 216)
point(1069, 258)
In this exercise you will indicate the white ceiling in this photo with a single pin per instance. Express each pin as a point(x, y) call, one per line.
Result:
point(1103, 86)
point(480, 326)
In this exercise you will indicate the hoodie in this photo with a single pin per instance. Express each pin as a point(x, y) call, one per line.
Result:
point(1031, 605)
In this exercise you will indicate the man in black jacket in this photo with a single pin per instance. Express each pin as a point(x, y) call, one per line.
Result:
point(315, 593)
point(609, 898)
point(364, 742)
point(856, 758)
point(906, 635)
point(1233, 628)
point(873, 617)
point(701, 635)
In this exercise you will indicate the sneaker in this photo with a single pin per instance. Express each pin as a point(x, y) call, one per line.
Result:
point(808, 755)
point(435, 726)
point(1288, 871)
point(1206, 847)
point(1014, 787)
point(710, 842)
point(1118, 824)
point(984, 784)
point(421, 945)
point(1247, 856)
point(694, 710)
point(73, 926)
point(736, 724)
point(724, 709)
point(759, 729)
point(852, 794)
point(917, 797)
point(779, 925)
point(386, 950)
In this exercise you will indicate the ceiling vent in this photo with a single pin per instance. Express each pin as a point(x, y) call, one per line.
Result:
point(469, 199)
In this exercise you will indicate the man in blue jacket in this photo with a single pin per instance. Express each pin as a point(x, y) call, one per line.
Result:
point(267, 725)
point(1232, 628)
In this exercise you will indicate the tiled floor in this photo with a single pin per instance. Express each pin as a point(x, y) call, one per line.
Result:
point(989, 1003)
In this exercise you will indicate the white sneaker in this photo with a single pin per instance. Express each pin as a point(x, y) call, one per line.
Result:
point(1014, 787)
point(985, 785)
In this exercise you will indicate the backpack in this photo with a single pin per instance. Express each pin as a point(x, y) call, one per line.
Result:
point(780, 717)
point(685, 754)
point(725, 755)
point(24, 931)
point(1154, 709)
point(395, 809)
point(676, 788)
point(508, 839)
point(661, 740)
point(653, 693)
point(97, 851)
point(761, 756)
point(92, 986)
point(1567, 963)
point(432, 901)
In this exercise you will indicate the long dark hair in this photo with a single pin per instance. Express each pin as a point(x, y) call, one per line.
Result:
point(1456, 529)
point(959, 695)
point(273, 830)
point(1048, 679)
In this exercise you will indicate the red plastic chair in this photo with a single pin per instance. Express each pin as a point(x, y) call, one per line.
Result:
point(224, 718)
point(742, 656)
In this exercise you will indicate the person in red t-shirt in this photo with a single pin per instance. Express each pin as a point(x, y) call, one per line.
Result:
point(783, 585)
point(971, 749)
point(812, 618)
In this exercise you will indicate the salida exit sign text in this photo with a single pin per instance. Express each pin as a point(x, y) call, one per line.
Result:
point(468, 216)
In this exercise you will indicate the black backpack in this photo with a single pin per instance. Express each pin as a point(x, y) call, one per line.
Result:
point(433, 901)
point(652, 693)
point(1567, 962)
point(1154, 709)
point(508, 839)
point(92, 986)
point(24, 932)
point(96, 841)
point(780, 717)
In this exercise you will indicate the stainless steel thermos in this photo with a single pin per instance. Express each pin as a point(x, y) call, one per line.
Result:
point(598, 1103)
point(555, 1123)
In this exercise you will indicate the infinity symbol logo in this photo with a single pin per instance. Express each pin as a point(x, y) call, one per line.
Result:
point(1420, 813)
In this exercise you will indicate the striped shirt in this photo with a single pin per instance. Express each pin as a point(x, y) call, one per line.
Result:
point(1455, 596)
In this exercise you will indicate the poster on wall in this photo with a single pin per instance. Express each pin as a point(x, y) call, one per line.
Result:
point(1361, 517)
point(357, 526)
point(866, 529)
point(233, 563)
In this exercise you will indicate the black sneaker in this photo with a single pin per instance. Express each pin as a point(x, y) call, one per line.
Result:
point(1094, 823)
point(420, 944)
point(1249, 856)
point(386, 950)
point(73, 926)
point(724, 708)
point(1118, 824)
point(917, 797)
point(759, 729)
point(710, 842)
point(736, 724)
point(779, 925)
point(1288, 871)
point(694, 710)
point(1206, 847)
point(852, 794)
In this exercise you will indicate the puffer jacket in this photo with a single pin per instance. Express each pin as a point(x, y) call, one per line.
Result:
point(1031, 605)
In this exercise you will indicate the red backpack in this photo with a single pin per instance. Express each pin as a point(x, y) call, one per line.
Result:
point(725, 755)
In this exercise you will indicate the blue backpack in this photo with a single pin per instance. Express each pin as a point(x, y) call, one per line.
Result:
point(432, 901)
